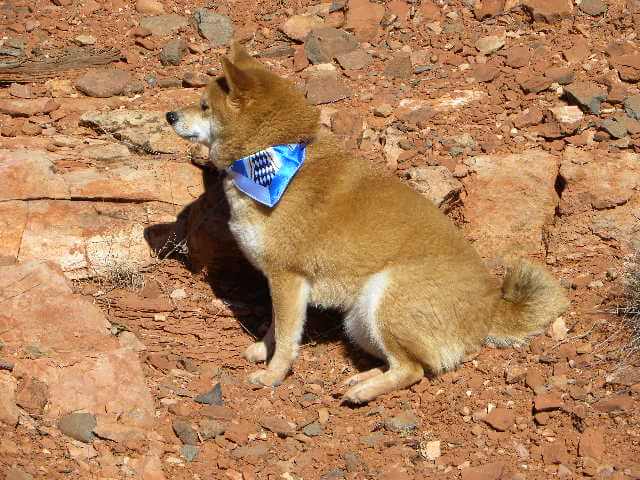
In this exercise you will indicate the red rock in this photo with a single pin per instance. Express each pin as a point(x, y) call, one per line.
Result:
point(514, 374)
point(91, 372)
point(363, 19)
point(218, 412)
point(300, 60)
point(485, 73)
point(524, 181)
point(542, 418)
point(555, 453)
point(324, 44)
point(9, 413)
point(239, 432)
point(27, 107)
point(592, 444)
point(103, 83)
point(195, 79)
point(355, 60)
point(347, 126)
point(31, 129)
point(601, 184)
point(398, 66)
point(560, 75)
point(490, 471)
point(326, 89)
point(20, 90)
point(617, 94)
point(399, 8)
point(534, 83)
point(578, 52)
point(530, 117)
point(615, 403)
point(278, 425)
point(436, 183)
point(500, 419)
point(298, 27)
point(587, 95)
point(547, 401)
point(33, 396)
point(429, 11)
point(550, 11)
point(488, 8)
point(518, 57)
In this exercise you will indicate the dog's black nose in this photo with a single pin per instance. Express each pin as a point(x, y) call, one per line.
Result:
point(172, 117)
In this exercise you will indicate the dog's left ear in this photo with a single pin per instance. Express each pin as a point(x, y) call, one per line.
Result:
point(238, 80)
point(241, 57)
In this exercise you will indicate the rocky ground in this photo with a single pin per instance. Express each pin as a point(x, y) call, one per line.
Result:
point(125, 305)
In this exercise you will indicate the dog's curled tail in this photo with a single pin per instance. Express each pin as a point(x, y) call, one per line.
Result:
point(531, 299)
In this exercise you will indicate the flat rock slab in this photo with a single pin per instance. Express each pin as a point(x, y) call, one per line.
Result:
point(436, 183)
point(92, 373)
point(324, 44)
point(13, 220)
point(600, 182)
point(90, 238)
point(104, 83)
point(447, 103)
point(511, 201)
point(218, 29)
point(142, 129)
point(28, 174)
point(39, 291)
point(363, 19)
point(27, 107)
point(87, 220)
point(163, 24)
point(32, 174)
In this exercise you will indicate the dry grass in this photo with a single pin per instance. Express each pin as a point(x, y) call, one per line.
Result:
point(629, 312)
point(121, 275)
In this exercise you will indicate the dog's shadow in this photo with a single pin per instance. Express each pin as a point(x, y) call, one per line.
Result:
point(200, 238)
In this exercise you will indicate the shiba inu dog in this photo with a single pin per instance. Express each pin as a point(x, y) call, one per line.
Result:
point(413, 290)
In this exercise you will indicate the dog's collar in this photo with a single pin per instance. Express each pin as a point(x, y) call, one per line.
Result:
point(265, 175)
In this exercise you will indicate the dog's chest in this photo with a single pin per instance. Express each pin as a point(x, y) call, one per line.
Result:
point(245, 224)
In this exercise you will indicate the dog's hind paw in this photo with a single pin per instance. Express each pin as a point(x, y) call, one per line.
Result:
point(256, 352)
point(358, 395)
point(266, 378)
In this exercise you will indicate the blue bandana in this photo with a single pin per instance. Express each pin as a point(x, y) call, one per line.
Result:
point(264, 176)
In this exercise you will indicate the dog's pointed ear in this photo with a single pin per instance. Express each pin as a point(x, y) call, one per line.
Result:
point(241, 57)
point(238, 80)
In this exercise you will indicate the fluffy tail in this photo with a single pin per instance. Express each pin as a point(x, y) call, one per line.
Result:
point(531, 299)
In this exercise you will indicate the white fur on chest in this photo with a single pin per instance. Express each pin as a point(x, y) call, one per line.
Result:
point(247, 230)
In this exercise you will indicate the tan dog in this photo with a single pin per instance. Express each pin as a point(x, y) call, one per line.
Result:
point(414, 291)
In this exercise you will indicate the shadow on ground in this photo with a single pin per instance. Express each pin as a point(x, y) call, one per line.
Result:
point(200, 238)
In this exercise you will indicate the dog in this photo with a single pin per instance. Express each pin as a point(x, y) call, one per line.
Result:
point(414, 292)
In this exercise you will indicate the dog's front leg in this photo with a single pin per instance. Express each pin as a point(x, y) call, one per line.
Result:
point(289, 297)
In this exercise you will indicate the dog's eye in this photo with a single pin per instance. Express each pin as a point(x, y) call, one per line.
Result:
point(204, 106)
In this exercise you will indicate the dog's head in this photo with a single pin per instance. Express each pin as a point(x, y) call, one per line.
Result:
point(245, 110)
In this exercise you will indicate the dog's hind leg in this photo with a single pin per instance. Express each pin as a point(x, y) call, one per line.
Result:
point(289, 296)
point(401, 374)
point(362, 376)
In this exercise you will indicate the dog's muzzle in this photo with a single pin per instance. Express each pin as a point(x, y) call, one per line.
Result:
point(172, 117)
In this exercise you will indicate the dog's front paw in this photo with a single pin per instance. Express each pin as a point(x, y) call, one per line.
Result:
point(256, 352)
point(266, 378)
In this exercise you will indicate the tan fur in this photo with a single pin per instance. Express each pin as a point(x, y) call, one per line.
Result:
point(413, 290)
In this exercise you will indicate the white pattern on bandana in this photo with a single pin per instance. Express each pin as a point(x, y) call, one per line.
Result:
point(263, 167)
